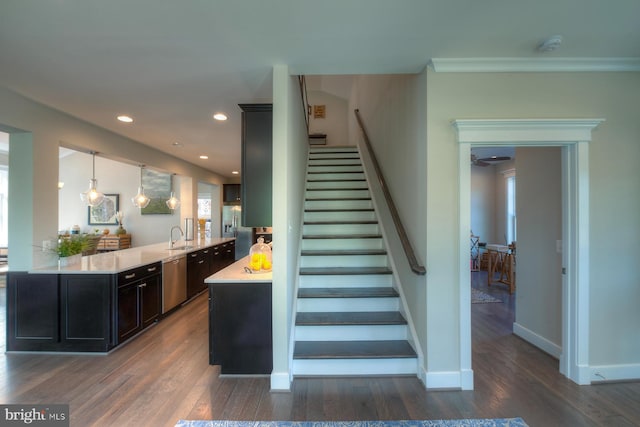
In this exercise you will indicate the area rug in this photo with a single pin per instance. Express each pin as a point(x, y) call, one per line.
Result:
point(495, 422)
point(479, 297)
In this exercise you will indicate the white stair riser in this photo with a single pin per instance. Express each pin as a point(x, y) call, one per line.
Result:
point(326, 148)
point(334, 176)
point(316, 305)
point(335, 168)
point(341, 244)
point(331, 261)
point(344, 154)
point(337, 194)
point(340, 216)
point(351, 333)
point(325, 367)
point(338, 204)
point(333, 162)
point(339, 229)
point(337, 185)
point(345, 281)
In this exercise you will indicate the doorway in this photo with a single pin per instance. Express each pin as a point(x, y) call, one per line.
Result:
point(573, 136)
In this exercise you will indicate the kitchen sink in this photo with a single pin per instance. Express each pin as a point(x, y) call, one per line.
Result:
point(181, 248)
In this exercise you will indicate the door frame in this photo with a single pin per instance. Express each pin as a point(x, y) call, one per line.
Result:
point(574, 136)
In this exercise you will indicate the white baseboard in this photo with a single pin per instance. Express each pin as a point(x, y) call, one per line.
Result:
point(446, 380)
point(537, 340)
point(280, 381)
point(603, 373)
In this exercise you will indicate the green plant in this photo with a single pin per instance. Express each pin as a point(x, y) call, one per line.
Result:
point(71, 245)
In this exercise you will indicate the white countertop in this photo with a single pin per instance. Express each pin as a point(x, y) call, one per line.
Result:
point(126, 259)
point(235, 273)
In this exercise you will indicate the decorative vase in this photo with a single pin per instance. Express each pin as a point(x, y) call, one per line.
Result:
point(121, 230)
point(69, 260)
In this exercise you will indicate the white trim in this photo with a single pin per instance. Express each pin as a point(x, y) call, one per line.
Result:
point(533, 65)
point(280, 381)
point(604, 373)
point(539, 341)
point(574, 135)
point(445, 380)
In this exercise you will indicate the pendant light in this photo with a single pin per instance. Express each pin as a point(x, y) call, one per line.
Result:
point(140, 200)
point(92, 197)
point(173, 201)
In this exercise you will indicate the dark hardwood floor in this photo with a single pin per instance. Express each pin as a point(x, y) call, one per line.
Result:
point(164, 375)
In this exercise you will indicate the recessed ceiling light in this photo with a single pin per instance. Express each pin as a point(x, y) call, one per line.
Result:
point(235, 172)
point(220, 116)
point(203, 157)
point(177, 144)
point(125, 119)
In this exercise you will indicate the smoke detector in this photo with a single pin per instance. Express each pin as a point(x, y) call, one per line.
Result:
point(550, 44)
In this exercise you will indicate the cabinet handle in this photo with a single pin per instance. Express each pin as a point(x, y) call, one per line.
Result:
point(130, 276)
point(216, 253)
point(193, 255)
point(206, 252)
point(151, 269)
point(142, 285)
point(201, 261)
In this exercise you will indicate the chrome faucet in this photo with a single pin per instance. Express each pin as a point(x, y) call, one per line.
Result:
point(171, 241)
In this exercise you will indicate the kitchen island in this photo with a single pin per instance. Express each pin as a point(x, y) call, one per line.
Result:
point(240, 338)
point(104, 300)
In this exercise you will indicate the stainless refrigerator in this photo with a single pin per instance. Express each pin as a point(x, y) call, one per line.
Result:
point(232, 227)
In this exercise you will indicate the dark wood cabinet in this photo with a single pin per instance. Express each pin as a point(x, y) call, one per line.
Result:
point(197, 269)
point(256, 164)
point(85, 312)
point(139, 300)
point(32, 311)
point(240, 328)
point(227, 254)
point(231, 193)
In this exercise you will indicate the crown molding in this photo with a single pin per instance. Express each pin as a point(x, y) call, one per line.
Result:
point(533, 65)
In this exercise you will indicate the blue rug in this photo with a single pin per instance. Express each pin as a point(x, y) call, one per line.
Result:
point(497, 422)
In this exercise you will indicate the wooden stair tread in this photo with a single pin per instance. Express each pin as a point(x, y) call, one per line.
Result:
point(338, 180)
point(350, 318)
point(347, 271)
point(330, 172)
point(324, 165)
point(342, 236)
point(344, 222)
point(353, 349)
point(362, 292)
point(340, 252)
point(336, 199)
point(339, 189)
point(341, 210)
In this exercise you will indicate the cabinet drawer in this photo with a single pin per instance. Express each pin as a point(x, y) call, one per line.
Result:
point(138, 273)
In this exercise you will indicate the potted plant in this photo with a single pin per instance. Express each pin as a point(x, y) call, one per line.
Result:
point(70, 249)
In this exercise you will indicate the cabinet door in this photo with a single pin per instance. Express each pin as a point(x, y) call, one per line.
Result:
point(85, 312)
point(231, 193)
point(28, 294)
point(256, 164)
point(151, 299)
point(194, 263)
point(129, 317)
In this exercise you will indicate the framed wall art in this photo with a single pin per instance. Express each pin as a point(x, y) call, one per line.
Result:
point(105, 214)
point(157, 186)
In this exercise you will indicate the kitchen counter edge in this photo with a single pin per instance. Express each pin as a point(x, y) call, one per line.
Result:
point(235, 273)
point(126, 259)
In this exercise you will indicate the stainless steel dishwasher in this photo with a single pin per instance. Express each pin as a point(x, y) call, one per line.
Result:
point(174, 282)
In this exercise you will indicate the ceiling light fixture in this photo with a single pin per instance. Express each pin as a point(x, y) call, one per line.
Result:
point(235, 172)
point(204, 157)
point(140, 200)
point(92, 197)
point(550, 44)
point(125, 119)
point(173, 201)
point(220, 116)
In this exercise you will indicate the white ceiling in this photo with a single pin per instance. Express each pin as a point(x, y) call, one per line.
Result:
point(172, 64)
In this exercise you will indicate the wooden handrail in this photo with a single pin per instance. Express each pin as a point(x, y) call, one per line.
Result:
point(416, 267)
point(305, 103)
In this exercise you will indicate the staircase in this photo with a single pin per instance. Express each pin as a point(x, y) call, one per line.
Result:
point(348, 319)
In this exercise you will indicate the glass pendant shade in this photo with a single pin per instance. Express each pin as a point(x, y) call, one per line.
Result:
point(92, 197)
point(140, 200)
point(173, 201)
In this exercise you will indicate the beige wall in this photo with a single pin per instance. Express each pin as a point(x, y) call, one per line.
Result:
point(614, 183)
